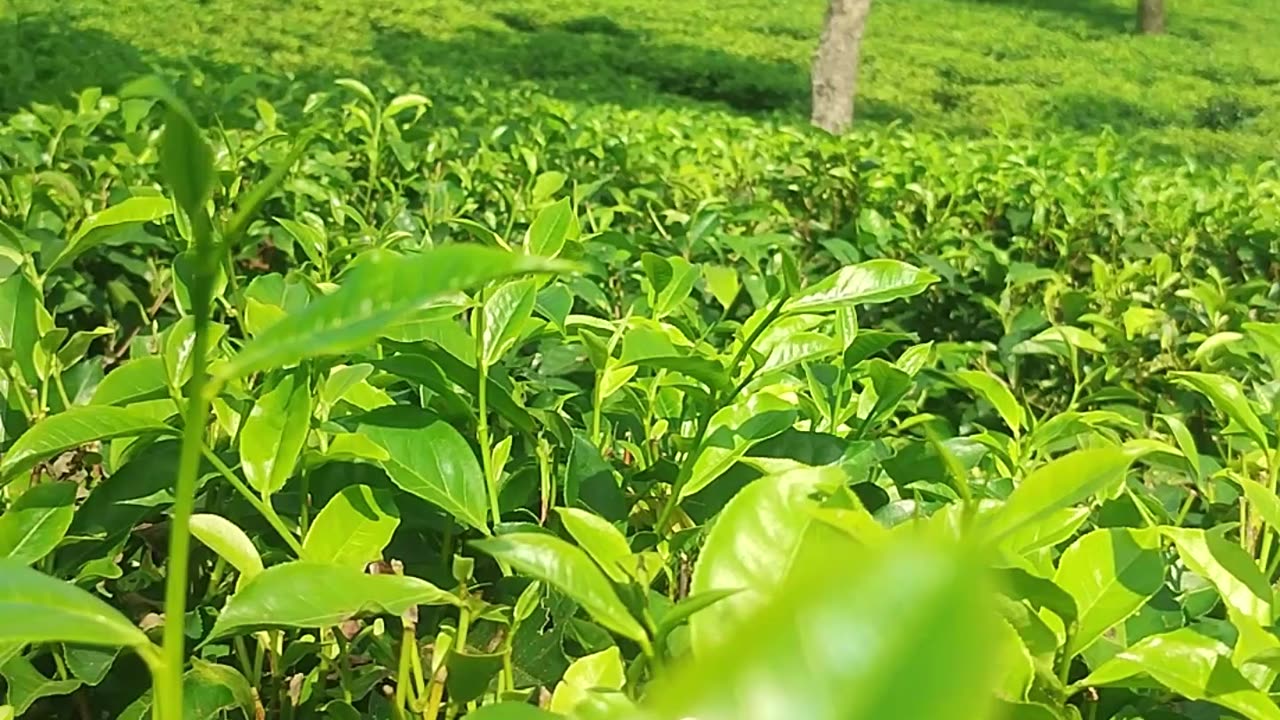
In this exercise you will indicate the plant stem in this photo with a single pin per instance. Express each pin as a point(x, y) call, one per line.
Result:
point(482, 421)
point(169, 681)
point(402, 674)
point(686, 468)
point(262, 506)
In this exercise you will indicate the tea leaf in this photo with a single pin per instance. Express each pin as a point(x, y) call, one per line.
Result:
point(752, 547)
point(275, 432)
point(186, 162)
point(381, 290)
point(872, 282)
point(505, 314)
point(314, 595)
point(353, 528)
point(65, 612)
point(1190, 664)
point(230, 543)
point(601, 670)
point(98, 226)
point(1228, 398)
point(27, 684)
point(428, 458)
point(1059, 484)
point(569, 570)
point(69, 430)
point(37, 521)
point(1111, 573)
point(602, 541)
point(733, 431)
point(1232, 571)
point(997, 393)
point(550, 228)
point(925, 627)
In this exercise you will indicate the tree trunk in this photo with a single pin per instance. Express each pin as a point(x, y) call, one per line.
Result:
point(1151, 17)
point(835, 64)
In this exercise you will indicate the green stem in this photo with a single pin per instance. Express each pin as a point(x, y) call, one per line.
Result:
point(242, 656)
point(264, 508)
point(404, 670)
point(344, 664)
point(169, 682)
point(686, 468)
point(482, 421)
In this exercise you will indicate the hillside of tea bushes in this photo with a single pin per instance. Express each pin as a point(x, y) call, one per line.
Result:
point(1022, 68)
point(482, 381)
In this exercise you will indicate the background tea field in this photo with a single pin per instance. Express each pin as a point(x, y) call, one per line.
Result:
point(1207, 88)
point(512, 361)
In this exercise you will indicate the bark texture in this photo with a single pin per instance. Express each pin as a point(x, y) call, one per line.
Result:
point(835, 64)
point(1151, 17)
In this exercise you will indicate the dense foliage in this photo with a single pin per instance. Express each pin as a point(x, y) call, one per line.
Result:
point(598, 412)
point(1020, 67)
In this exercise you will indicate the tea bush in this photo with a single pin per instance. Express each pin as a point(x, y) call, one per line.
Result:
point(493, 404)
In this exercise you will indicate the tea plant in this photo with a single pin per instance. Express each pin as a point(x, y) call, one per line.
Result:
point(561, 422)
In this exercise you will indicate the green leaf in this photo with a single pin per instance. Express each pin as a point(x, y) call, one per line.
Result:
point(1191, 664)
point(275, 432)
point(353, 528)
point(733, 431)
point(100, 225)
point(469, 674)
point(69, 430)
point(1186, 443)
point(90, 664)
point(590, 482)
point(66, 613)
point(505, 313)
point(1060, 340)
point(799, 348)
point(550, 228)
point(994, 391)
point(230, 543)
point(548, 184)
point(872, 282)
point(753, 545)
point(186, 163)
point(1228, 567)
point(20, 327)
point(1020, 584)
point(270, 298)
point(26, 684)
point(74, 349)
point(408, 101)
point(209, 692)
point(1266, 338)
point(428, 458)
point(602, 541)
point(925, 629)
point(1228, 398)
point(37, 521)
point(314, 595)
point(687, 608)
point(1059, 484)
point(599, 670)
point(1261, 499)
point(722, 282)
point(358, 88)
point(1111, 573)
point(569, 570)
point(381, 290)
